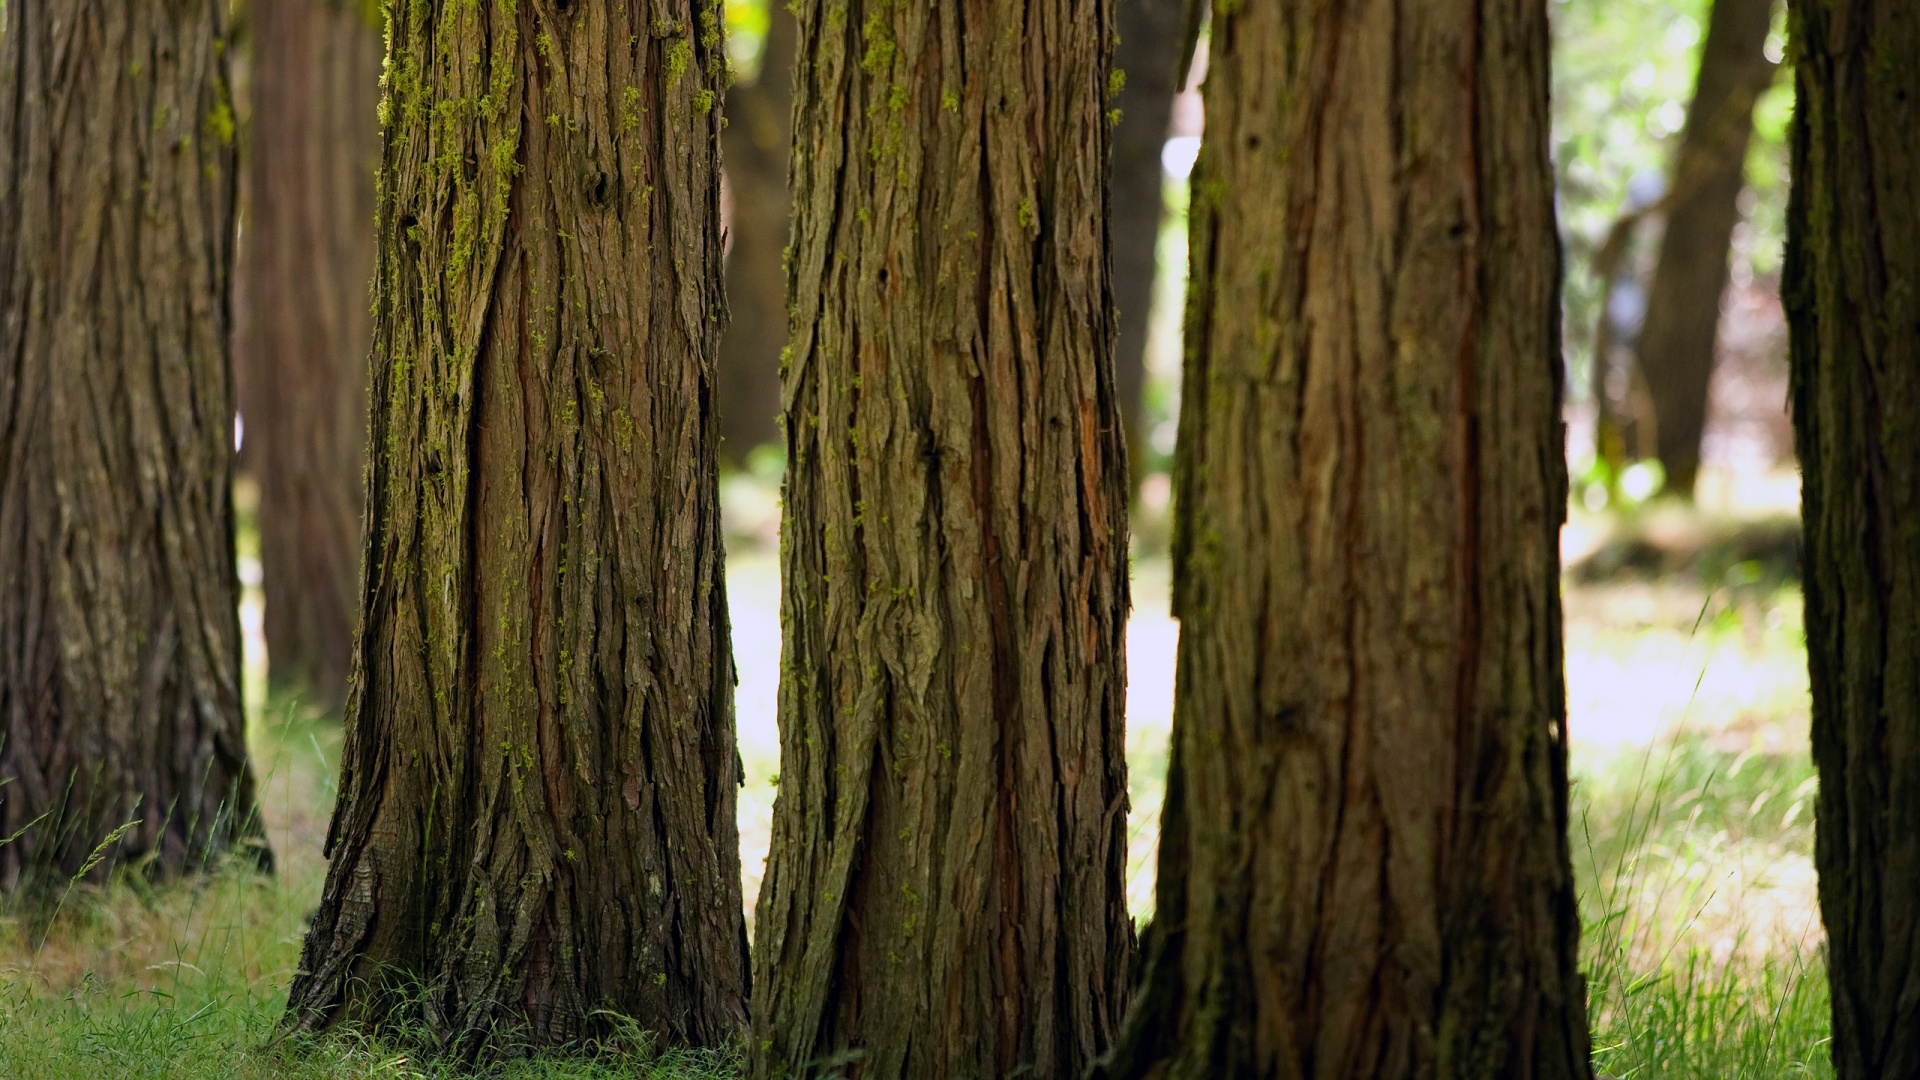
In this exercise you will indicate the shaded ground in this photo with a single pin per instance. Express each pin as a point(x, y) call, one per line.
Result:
point(1693, 841)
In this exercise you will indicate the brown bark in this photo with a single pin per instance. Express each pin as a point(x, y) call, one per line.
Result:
point(1148, 55)
point(755, 142)
point(1853, 256)
point(306, 264)
point(119, 634)
point(1676, 347)
point(1364, 869)
point(536, 820)
point(944, 894)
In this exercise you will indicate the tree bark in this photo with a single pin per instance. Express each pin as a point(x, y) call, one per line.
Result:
point(1853, 255)
point(1151, 32)
point(306, 264)
point(1676, 347)
point(1364, 869)
point(119, 633)
point(944, 895)
point(536, 820)
point(755, 142)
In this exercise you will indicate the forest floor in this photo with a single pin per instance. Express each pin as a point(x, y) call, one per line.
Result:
point(1692, 839)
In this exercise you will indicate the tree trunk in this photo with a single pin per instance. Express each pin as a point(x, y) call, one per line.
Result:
point(944, 894)
point(306, 262)
point(1676, 346)
point(119, 632)
point(755, 142)
point(1148, 54)
point(536, 820)
point(1853, 256)
point(1364, 869)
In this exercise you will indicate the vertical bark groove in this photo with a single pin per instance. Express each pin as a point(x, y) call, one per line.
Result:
point(1364, 869)
point(536, 819)
point(306, 266)
point(1853, 316)
point(944, 895)
point(119, 633)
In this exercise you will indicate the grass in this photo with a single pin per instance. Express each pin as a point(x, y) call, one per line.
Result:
point(1692, 844)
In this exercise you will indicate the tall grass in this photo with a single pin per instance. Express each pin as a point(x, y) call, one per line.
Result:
point(1694, 859)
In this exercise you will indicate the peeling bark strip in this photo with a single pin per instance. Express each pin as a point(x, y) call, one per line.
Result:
point(1852, 294)
point(1364, 869)
point(537, 797)
point(944, 894)
point(306, 261)
point(119, 633)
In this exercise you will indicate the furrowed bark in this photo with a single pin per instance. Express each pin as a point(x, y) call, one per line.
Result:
point(306, 265)
point(944, 894)
point(1364, 869)
point(119, 634)
point(755, 142)
point(1853, 257)
point(1676, 347)
point(536, 821)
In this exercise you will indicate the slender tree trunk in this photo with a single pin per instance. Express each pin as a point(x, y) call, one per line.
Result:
point(944, 895)
point(119, 633)
point(1148, 55)
point(536, 818)
point(1853, 258)
point(1676, 347)
point(755, 142)
point(306, 263)
point(1364, 869)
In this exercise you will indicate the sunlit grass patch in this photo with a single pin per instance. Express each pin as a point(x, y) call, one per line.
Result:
point(1702, 939)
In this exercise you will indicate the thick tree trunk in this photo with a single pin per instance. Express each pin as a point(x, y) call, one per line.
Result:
point(1151, 32)
point(755, 142)
point(306, 263)
point(1364, 869)
point(1676, 346)
point(1853, 258)
point(944, 895)
point(119, 633)
point(536, 816)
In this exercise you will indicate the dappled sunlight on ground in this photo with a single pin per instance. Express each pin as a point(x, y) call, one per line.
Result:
point(1691, 832)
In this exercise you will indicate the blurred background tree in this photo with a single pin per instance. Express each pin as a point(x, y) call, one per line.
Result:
point(1625, 73)
point(303, 321)
point(754, 145)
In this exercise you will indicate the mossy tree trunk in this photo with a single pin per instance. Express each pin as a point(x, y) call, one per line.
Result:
point(1676, 347)
point(306, 262)
point(536, 816)
point(944, 893)
point(1364, 869)
point(1148, 57)
point(119, 633)
point(755, 142)
point(1853, 315)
